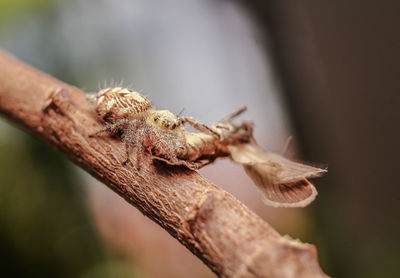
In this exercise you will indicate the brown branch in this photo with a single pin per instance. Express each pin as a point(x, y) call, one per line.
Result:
point(211, 223)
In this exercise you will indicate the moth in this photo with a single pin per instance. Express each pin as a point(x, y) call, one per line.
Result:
point(160, 133)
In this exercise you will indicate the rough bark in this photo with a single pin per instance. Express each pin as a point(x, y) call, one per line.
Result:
point(228, 237)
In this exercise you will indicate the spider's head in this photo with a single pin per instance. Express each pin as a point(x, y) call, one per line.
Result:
point(165, 119)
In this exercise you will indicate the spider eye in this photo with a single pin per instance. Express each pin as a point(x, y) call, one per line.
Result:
point(156, 118)
point(173, 126)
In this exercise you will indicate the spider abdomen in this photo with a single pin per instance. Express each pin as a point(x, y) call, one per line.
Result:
point(115, 103)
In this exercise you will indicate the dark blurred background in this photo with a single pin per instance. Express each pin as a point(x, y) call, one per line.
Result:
point(323, 72)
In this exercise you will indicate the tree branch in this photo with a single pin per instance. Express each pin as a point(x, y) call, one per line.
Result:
point(211, 223)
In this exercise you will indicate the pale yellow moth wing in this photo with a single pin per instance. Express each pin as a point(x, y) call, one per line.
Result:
point(281, 182)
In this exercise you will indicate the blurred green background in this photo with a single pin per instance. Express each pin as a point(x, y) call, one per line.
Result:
point(325, 73)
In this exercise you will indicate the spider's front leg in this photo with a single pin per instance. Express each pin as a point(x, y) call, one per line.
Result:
point(199, 126)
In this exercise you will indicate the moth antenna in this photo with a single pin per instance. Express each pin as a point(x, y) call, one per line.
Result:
point(234, 114)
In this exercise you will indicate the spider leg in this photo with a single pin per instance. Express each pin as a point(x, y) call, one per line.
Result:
point(128, 150)
point(134, 136)
point(234, 114)
point(101, 132)
point(139, 155)
point(199, 126)
point(138, 152)
point(113, 128)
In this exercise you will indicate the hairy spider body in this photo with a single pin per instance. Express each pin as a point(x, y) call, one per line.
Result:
point(130, 115)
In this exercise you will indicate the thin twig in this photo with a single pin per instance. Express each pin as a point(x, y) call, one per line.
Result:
point(228, 237)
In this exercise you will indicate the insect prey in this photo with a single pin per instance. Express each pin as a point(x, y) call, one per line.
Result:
point(131, 117)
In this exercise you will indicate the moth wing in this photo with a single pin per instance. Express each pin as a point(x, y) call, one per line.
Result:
point(281, 182)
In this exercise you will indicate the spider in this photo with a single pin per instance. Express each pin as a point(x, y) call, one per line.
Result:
point(130, 116)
